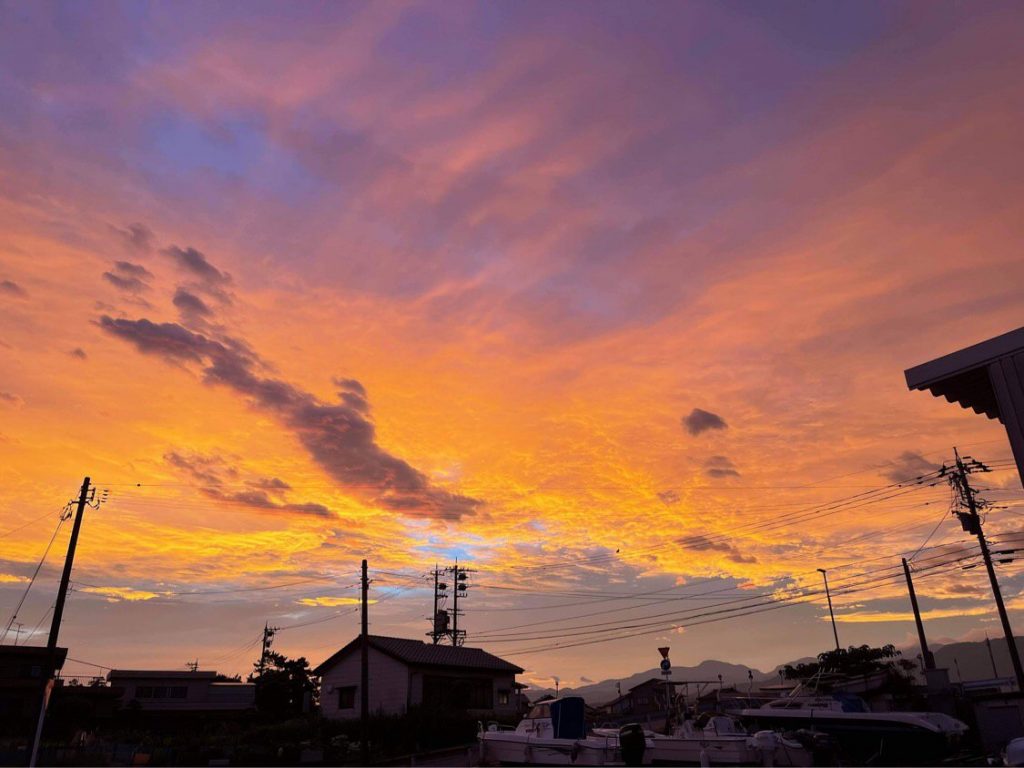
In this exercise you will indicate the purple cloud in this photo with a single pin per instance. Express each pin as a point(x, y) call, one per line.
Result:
point(338, 436)
point(699, 421)
point(720, 466)
point(11, 288)
point(136, 237)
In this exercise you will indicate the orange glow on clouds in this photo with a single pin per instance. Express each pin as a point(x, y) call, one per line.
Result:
point(534, 267)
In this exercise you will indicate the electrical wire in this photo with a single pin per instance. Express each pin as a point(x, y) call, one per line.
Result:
point(26, 525)
point(35, 573)
point(634, 632)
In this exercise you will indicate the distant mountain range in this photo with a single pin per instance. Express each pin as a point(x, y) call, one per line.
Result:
point(971, 657)
point(605, 690)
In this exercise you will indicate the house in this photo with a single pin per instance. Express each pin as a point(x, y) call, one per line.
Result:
point(22, 677)
point(176, 691)
point(643, 699)
point(407, 673)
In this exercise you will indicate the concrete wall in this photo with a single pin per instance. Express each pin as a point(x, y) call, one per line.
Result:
point(389, 685)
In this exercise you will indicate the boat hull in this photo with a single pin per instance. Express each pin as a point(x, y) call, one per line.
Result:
point(864, 739)
point(727, 751)
point(510, 748)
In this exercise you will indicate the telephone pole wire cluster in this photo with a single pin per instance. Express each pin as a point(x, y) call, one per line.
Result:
point(445, 619)
point(966, 511)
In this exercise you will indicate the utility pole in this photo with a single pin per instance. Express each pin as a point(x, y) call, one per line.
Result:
point(84, 497)
point(991, 656)
point(460, 576)
point(439, 620)
point(455, 604)
point(926, 655)
point(364, 690)
point(828, 594)
point(268, 639)
point(971, 522)
point(433, 616)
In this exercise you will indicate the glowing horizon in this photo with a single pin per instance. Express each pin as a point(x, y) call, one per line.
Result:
point(414, 282)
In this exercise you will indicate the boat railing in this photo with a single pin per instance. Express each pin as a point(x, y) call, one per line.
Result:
point(493, 726)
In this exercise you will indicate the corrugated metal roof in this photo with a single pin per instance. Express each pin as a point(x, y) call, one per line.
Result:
point(419, 653)
point(963, 377)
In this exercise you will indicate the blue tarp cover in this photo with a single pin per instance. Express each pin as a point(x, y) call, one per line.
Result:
point(568, 718)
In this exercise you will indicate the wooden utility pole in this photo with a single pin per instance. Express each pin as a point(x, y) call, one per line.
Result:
point(268, 638)
point(84, 497)
point(991, 657)
point(929, 659)
point(828, 594)
point(971, 522)
point(455, 603)
point(364, 686)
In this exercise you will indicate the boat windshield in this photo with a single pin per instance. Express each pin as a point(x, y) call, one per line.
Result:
point(851, 703)
point(539, 712)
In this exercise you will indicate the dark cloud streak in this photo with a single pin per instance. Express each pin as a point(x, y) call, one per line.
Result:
point(11, 288)
point(136, 237)
point(704, 544)
point(339, 436)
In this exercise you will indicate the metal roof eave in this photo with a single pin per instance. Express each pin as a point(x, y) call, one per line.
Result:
point(962, 376)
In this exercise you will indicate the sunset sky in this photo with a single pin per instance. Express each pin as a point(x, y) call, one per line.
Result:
point(610, 301)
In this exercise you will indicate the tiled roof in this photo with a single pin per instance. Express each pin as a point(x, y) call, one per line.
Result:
point(418, 653)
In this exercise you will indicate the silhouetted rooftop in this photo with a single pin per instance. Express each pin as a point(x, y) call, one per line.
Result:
point(418, 653)
point(171, 673)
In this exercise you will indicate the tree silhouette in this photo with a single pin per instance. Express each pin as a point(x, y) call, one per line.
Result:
point(287, 687)
point(855, 660)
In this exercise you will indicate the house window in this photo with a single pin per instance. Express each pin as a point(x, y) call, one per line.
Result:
point(347, 697)
point(178, 691)
point(144, 692)
point(502, 697)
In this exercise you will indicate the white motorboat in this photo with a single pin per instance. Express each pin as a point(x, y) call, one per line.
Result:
point(722, 740)
point(554, 733)
point(901, 737)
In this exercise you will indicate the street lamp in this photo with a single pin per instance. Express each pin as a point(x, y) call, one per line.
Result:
point(831, 613)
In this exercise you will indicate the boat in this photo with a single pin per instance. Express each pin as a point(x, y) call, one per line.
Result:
point(895, 738)
point(555, 733)
point(715, 739)
point(718, 739)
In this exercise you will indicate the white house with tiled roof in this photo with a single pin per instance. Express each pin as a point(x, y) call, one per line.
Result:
point(407, 673)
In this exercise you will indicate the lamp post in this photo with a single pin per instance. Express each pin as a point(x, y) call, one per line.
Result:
point(831, 613)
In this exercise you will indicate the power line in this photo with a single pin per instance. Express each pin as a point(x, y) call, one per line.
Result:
point(26, 525)
point(884, 493)
point(492, 637)
point(633, 632)
point(35, 573)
